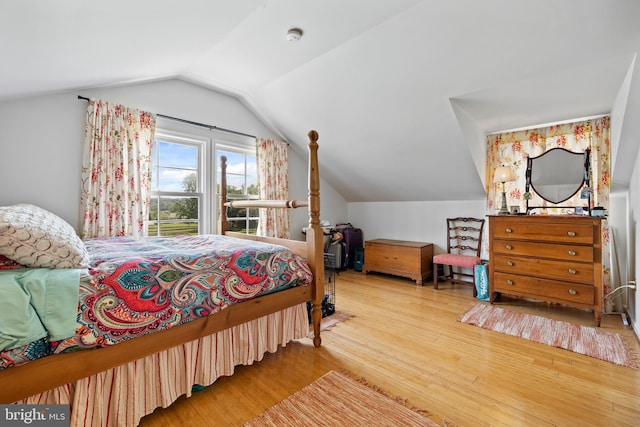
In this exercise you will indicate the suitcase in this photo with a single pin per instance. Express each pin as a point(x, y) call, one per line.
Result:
point(337, 249)
point(353, 240)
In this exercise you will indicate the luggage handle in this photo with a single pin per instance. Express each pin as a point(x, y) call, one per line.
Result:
point(344, 225)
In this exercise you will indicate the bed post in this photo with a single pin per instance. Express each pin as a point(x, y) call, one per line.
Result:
point(315, 238)
point(223, 225)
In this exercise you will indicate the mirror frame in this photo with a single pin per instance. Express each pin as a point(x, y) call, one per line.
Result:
point(586, 173)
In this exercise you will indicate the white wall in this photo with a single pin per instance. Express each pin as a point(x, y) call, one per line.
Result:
point(414, 221)
point(333, 207)
point(41, 153)
point(41, 142)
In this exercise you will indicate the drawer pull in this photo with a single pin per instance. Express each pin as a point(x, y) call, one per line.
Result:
point(509, 282)
point(572, 253)
point(508, 230)
point(571, 233)
point(573, 291)
point(509, 247)
point(572, 271)
point(510, 263)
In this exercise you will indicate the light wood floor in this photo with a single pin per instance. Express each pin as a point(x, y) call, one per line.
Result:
point(406, 340)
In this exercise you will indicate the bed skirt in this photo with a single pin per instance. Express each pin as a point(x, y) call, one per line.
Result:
point(123, 395)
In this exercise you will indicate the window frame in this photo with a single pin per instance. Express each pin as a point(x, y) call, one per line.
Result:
point(239, 148)
point(190, 140)
point(210, 141)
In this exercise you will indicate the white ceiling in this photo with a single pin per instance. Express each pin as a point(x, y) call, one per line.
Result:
point(401, 91)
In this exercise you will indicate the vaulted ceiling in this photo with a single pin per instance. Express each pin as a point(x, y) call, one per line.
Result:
point(401, 91)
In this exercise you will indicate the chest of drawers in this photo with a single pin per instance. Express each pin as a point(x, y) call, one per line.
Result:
point(400, 258)
point(550, 258)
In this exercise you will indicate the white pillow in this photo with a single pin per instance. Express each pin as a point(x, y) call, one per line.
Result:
point(35, 237)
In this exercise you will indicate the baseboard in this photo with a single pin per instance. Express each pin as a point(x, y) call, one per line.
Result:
point(634, 324)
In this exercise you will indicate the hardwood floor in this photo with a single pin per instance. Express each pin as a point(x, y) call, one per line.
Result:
point(406, 339)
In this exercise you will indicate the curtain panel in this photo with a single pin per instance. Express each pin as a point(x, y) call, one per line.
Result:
point(513, 149)
point(273, 184)
point(116, 170)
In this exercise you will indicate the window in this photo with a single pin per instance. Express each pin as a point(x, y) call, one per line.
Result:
point(242, 184)
point(184, 189)
point(176, 189)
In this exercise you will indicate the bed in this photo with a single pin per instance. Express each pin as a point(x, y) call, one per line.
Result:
point(170, 351)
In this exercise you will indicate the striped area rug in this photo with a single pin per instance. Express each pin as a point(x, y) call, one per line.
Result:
point(335, 399)
point(593, 342)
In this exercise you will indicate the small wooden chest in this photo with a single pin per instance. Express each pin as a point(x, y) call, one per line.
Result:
point(399, 257)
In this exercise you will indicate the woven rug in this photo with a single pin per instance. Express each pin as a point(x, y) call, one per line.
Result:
point(593, 342)
point(335, 399)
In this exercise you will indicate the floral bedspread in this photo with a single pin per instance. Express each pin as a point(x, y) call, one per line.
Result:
point(134, 287)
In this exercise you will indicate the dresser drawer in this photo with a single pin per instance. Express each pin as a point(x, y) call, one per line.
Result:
point(553, 258)
point(544, 250)
point(394, 258)
point(544, 289)
point(545, 268)
point(543, 231)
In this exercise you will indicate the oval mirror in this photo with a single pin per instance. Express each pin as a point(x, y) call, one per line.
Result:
point(558, 174)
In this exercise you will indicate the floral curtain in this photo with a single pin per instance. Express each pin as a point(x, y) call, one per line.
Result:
point(273, 183)
point(116, 170)
point(513, 149)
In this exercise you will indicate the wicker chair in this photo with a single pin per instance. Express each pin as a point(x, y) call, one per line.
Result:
point(464, 241)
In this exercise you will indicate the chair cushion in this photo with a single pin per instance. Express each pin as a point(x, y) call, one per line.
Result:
point(458, 260)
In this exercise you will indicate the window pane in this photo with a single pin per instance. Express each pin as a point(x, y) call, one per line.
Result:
point(252, 185)
point(177, 215)
point(178, 228)
point(177, 155)
point(177, 180)
point(238, 225)
point(235, 184)
point(236, 213)
point(242, 184)
point(235, 162)
point(253, 226)
point(172, 208)
point(252, 165)
point(153, 209)
point(153, 229)
point(233, 196)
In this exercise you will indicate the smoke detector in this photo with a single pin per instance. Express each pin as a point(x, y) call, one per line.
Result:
point(294, 34)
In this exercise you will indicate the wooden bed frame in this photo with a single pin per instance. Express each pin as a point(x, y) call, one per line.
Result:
point(44, 374)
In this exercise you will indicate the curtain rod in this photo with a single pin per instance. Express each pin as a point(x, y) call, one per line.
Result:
point(210, 127)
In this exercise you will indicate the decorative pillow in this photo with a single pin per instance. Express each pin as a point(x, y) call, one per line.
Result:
point(35, 237)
